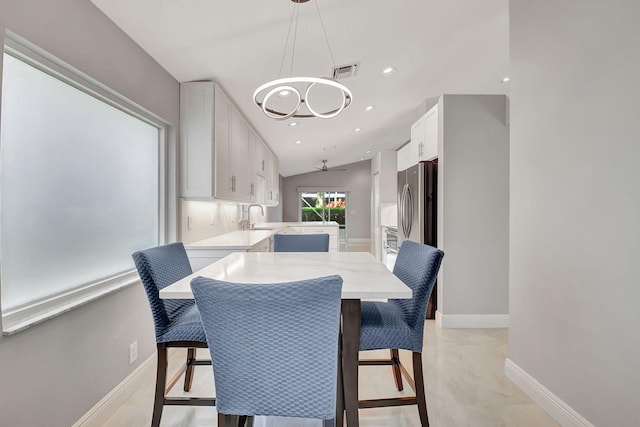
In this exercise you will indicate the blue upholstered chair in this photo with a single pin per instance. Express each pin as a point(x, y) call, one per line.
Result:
point(301, 243)
point(177, 322)
point(274, 347)
point(399, 324)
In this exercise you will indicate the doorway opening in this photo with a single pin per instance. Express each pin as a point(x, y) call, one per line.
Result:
point(326, 206)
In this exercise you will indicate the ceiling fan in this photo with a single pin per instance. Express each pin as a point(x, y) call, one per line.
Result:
point(324, 167)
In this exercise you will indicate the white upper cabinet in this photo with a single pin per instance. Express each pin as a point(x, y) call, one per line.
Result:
point(424, 137)
point(233, 180)
point(404, 160)
point(259, 152)
point(272, 179)
point(197, 154)
point(221, 155)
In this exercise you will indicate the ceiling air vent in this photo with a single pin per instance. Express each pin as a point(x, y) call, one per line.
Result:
point(344, 71)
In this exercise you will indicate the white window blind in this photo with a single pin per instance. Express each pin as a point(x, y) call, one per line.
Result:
point(80, 188)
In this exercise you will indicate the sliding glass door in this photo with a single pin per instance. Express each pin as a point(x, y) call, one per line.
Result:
point(325, 206)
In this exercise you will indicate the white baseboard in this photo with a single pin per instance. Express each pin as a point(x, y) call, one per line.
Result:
point(108, 405)
point(552, 404)
point(471, 320)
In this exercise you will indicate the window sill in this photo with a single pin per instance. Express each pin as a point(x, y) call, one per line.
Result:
point(19, 319)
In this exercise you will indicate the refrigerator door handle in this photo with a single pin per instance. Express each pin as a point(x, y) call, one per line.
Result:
point(403, 212)
point(409, 214)
point(401, 205)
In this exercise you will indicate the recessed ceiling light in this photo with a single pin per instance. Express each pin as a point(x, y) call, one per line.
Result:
point(356, 130)
point(292, 124)
point(369, 107)
point(389, 70)
point(361, 158)
point(298, 142)
point(284, 93)
point(506, 80)
point(367, 152)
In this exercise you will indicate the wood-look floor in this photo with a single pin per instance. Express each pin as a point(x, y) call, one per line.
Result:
point(465, 386)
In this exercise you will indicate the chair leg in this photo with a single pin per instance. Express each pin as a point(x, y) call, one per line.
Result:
point(340, 388)
point(225, 420)
point(161, 379)
point(397, 375)
point(188, 374)
point(421, 399)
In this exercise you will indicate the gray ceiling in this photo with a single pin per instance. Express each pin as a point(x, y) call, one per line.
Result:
point(437, 46)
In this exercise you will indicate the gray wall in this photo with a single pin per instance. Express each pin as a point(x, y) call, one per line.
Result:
point(473, 206)
point(53, 373)
point(575, 203)
point(357, 178)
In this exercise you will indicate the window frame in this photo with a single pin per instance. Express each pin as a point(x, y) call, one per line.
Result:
point(19, 318)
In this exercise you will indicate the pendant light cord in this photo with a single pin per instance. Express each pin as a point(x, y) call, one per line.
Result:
point(286, 43)
point(295, 34)
point(295, 15)
point(324, 31)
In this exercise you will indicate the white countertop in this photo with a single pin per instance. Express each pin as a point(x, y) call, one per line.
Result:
point(245, 239)
point(276, 225)
point(364, 276)
point(241, 240)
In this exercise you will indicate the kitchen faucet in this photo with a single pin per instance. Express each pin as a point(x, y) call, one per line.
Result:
point(253, 224)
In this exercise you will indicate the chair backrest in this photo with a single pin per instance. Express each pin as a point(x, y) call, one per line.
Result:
point(159, 267)
point(301, 243)
point(417, 265)
point(273, 346)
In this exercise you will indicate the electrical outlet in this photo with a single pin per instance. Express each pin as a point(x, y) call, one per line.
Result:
point(133, 352)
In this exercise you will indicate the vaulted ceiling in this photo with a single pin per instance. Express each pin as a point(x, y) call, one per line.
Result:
point(436, 46)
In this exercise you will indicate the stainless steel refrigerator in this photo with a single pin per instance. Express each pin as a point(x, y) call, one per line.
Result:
point(417, 203)
point(417, 210)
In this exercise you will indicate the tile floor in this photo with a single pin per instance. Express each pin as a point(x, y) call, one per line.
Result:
point(464, 378)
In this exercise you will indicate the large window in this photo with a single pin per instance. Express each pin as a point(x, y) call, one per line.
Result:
point(81, 189)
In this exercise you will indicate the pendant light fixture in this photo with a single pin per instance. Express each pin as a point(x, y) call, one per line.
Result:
point(300, 87)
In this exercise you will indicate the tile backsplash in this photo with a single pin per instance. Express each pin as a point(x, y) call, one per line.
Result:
point(204, 219)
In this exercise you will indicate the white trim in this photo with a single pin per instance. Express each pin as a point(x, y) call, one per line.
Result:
point(18, 319)
point(108, 405)
point(323, 189)
point(471, 320)
point(564, 414)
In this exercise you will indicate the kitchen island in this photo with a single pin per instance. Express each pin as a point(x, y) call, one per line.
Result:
point(259, 239)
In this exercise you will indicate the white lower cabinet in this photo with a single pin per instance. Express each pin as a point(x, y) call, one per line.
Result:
point(332, 231)
point(265, 246)
point(200, 257)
